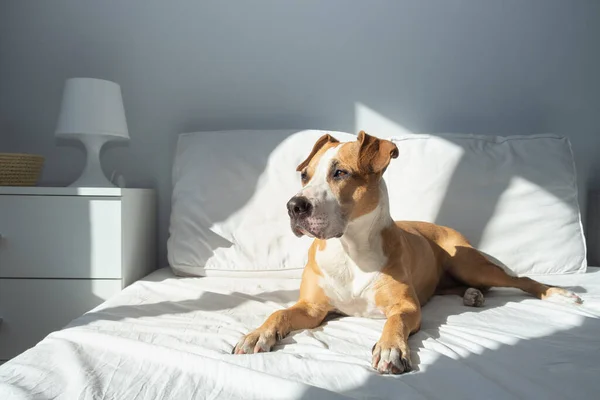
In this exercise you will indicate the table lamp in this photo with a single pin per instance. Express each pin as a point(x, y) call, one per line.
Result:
point(92, 112)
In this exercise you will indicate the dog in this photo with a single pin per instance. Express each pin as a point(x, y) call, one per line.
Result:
point(363, 263)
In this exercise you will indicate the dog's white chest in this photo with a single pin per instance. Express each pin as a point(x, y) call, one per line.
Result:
point(348, 286)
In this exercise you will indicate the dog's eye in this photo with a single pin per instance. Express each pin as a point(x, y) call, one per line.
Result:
point(304, 176)
point(339, 173)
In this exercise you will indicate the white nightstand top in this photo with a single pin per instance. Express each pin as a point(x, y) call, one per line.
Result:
point(65, 191)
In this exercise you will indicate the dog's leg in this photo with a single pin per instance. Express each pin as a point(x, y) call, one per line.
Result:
point(310, 310)
point(302, 315)
point(469, 266)
point(391, 354)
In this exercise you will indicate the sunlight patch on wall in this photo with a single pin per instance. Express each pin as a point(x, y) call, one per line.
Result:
point(374, 123)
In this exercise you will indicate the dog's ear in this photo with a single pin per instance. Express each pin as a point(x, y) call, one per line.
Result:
point(323, 140)
point(374, 154)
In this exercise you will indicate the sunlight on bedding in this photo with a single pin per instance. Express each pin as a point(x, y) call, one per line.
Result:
point(178, 333)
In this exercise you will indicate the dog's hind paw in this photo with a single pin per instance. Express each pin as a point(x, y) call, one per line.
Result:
point(473, 298)
point(560, 295)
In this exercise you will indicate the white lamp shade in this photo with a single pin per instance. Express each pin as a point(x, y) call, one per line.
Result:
point(92, 106)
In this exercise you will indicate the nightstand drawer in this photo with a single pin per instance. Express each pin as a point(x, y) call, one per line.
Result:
point(32, 308)
point(60, 237)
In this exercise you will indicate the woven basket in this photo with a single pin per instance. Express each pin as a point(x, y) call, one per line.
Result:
point(20, 169)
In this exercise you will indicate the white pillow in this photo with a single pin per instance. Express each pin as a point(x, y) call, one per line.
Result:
point(514, 198)
point(229, 213)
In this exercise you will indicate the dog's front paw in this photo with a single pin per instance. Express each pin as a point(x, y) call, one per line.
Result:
point(391, 358)
point(258, 341)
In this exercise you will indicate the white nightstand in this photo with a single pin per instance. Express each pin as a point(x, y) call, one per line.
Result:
point(63, 251)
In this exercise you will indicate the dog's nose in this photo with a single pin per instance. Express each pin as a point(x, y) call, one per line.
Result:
point(299, 207)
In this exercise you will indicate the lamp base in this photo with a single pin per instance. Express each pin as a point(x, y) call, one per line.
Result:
point(92, 175)
point(91, 179)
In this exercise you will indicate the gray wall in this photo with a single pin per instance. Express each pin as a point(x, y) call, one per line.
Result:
point(493, 67)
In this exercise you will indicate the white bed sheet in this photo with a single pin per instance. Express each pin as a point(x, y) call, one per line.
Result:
point(170, 338)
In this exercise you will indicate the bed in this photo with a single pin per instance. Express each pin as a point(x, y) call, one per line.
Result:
point(167, 337)
point(233, 261)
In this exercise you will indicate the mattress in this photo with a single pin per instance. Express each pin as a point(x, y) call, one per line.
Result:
point(166, 337)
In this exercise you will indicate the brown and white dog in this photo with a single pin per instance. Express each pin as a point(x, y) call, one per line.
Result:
point(362, 263)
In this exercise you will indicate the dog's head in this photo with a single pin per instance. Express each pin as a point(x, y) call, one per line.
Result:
point(340, 182)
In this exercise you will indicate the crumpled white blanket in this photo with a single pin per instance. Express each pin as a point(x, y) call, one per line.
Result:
point(170, 338)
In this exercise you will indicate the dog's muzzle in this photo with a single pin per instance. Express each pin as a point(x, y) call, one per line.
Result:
point(307, 219)
point(300, 209)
